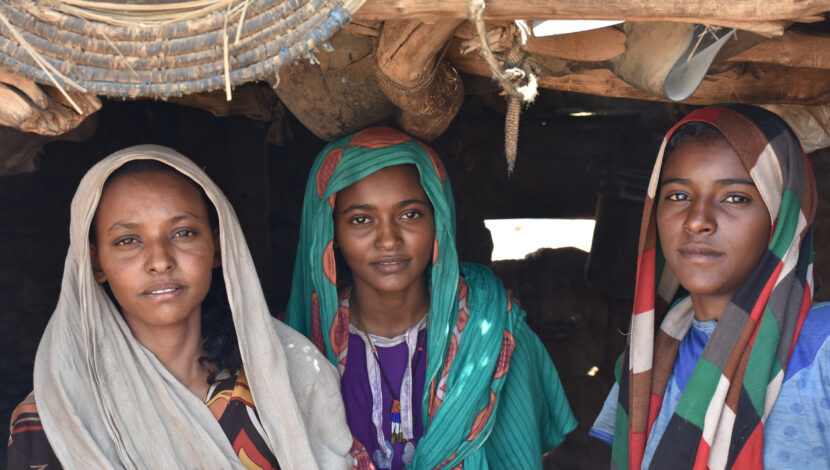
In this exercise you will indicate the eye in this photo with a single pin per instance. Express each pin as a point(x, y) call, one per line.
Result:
point(411, 214)
point(184, 233)
point(737, 199)
point(359, 220)
point(677, 197)
point(125, 241)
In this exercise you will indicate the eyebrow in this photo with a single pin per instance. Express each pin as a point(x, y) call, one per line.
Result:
point(720, 181)
point(412, 201)
point(367, 207)
point(131, 225)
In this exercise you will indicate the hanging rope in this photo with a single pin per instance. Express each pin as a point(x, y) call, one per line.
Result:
point(517, 80)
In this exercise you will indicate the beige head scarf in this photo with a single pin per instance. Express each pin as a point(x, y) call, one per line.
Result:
point(106, 402)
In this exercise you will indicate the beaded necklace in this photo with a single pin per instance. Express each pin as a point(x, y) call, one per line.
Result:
point(395, 410)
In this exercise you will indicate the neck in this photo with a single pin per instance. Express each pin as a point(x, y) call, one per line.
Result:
point(178, 348)
point(709, 307)
point(388, 314)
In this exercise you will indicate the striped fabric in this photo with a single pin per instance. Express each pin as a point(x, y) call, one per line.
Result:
point(493, 396)
point(229, 400)
point(719, 421)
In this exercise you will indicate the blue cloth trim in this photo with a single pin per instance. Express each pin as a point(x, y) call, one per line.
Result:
point(604, 424)
point(602, 435)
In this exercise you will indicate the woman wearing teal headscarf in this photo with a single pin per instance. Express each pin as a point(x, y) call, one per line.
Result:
point(485, 392)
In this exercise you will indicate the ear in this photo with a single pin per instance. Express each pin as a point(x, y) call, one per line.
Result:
point(217, 250)
point(97, 272)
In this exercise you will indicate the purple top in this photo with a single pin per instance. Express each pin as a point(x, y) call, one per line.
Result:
point(357, 394)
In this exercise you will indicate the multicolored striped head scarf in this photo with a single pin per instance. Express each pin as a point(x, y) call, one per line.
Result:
point(472, 320)
point(719, 421)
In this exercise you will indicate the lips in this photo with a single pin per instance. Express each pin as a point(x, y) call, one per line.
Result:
point(163, 290)
point(699, 253)
point(391, 265)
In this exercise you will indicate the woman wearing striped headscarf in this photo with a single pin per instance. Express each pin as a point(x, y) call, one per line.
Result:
point(438, 367)
point(736, 376)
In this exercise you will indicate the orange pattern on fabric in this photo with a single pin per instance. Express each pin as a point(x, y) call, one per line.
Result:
point(241, 392)
point(339, 332)
point(508, 344)
point(27, 406)
point(436, 162)
point(510, 300)
point(316, 327)
point(444, 463)
point(378, 138)
point(433, 399)
point(482, 417)
point(219, 403)
point(329, 265)
point(248, 454)
point(327, 169)
point(439, 390)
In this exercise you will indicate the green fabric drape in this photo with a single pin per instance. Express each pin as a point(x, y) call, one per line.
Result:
point(500, 403)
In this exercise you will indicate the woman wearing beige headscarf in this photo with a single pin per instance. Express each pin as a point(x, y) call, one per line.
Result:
point(127, 364)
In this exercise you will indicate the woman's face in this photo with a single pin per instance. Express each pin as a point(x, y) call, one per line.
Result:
point(385, 229)
point(155, 247)
point(712, 223)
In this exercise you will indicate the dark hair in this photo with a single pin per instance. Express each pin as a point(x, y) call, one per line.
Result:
point(691, 130)
point(218, 332)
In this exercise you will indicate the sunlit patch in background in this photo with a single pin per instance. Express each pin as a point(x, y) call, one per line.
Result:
point(516, 238)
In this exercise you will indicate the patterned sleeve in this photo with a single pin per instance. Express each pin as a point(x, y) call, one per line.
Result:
point(797, 431)
point(28, 447)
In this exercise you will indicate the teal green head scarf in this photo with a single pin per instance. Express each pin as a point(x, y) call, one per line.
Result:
point(475, 412)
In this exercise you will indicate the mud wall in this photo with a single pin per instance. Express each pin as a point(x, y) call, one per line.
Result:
point(567, 167)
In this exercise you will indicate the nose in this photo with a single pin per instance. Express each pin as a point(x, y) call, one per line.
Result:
point(700, 218)
point(159, 257)
point(388, 235)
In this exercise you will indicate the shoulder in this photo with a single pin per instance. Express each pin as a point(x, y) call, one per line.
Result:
point(297, 346)
point(474, 273)
point(308, 367)
point(28, 446)
point(813, 338)
point(795, 433)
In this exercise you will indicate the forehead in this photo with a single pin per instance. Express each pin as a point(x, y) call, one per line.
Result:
point(148, 192)
point(392, 182)
point(701, 156)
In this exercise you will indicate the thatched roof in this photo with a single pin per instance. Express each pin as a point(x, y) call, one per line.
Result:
point(403, 57)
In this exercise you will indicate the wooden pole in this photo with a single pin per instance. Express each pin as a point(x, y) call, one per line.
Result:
point(754, 15)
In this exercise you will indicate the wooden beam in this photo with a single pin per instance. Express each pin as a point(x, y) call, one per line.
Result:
point(766, 16)
point(412, 74)
point(41, 109)
point(595, 45)
point(749, 83)
point(793, 49)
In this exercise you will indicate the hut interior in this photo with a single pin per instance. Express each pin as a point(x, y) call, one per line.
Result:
point(528, 124)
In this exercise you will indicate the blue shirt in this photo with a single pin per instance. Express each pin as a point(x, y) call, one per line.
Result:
point(796, 433)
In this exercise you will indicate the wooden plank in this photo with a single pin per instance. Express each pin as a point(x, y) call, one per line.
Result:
point(595, 45)
point(751, 83)
point(793, 49)
point(767, 16)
